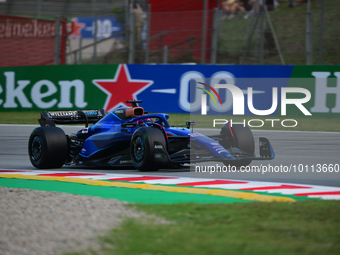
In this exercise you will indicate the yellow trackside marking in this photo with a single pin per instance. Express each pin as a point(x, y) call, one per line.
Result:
point(11, 175)
point(35, 177)
point(82, 181)
point(142, 186)
point(31, 177)
point(196, 191)
point(118, 184)
point(48, 178)
point(213, 192)
point(244, 195)
point(125, 185)
point(216, 192)
point(165, 188)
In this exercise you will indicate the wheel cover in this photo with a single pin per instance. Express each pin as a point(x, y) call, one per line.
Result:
point(36, 148)
point(139, 149)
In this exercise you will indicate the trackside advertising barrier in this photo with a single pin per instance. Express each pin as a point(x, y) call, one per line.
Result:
point(167, 88)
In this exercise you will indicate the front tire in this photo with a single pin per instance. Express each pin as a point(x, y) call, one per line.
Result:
point(142, 148)
point(238, 136)
point(48, 147)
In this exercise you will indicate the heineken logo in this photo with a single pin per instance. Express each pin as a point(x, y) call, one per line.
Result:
point(41, 92)
point(26, 28)
point(66, 93)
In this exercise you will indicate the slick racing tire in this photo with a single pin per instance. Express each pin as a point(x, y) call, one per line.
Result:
point(142, 148)
point(48, 147)
point(240, 137)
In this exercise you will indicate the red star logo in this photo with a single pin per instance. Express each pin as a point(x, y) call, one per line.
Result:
point(121, 89)
point(75, 27)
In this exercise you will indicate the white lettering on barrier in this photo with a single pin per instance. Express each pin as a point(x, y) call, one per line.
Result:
point(15, 96)
point(184, 91)
point(65, 97)
point(13, 92)
point(0, 93)
point(322, 90)
point(37, 95)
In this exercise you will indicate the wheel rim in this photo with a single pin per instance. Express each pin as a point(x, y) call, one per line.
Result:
point(36, 148)
point(139, 149)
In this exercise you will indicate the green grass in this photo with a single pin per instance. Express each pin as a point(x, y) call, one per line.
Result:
point(20, 117)
point(305, 123)
point(308, 227)
point(290, 28)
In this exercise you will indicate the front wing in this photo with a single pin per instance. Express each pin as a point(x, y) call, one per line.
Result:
point(204, 155)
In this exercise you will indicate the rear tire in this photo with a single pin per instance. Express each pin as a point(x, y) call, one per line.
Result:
point(48, 147)
point(142, 149)
point(240, 137)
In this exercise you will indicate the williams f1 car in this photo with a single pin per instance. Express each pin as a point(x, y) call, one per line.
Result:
point(130, 136)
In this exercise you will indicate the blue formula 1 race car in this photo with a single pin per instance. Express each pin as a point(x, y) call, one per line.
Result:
point(129, 136)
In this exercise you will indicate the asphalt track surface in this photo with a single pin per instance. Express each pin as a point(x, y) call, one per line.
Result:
point(291, 148)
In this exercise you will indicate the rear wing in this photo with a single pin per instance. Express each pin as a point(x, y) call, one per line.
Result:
point(50, 118)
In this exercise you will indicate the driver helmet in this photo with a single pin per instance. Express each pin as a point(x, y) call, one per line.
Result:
point(142, 122)
point(148, 121)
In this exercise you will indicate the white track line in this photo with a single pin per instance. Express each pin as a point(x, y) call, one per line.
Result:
point(293, 189)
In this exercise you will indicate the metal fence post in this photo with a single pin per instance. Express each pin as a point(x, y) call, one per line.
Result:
point(39, 8)
point(95, 38)
point(165, 55)
point(204, 29)
point(80, 50)
point(214, 37)
point(127, 23)
point(262, 35)
point(94, 7)
point(75, 57)
point(322, 10)
point(132, 38)
point(57, 41)
point(274, 36)
point(148, 13)
point(309, 38)
point(127, 12)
